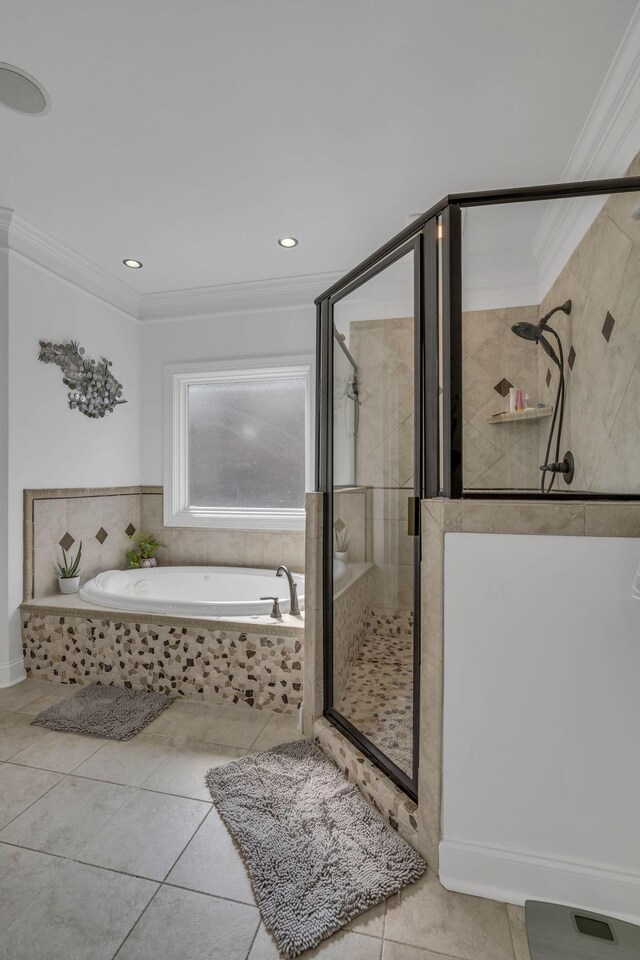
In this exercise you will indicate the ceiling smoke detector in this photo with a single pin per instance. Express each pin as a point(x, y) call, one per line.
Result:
point(21, 92)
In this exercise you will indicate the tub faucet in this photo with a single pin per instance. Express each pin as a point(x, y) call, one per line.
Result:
point(275, 609)
point(293, 590)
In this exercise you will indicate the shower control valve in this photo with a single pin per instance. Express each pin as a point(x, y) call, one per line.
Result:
point(566, 467)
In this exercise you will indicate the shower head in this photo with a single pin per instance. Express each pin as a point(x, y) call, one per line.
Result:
point(548, 349)
point(535, 331)
point(527, 331)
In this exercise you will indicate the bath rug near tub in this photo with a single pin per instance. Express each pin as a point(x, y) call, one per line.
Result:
point(112, 712)
point(317, 853)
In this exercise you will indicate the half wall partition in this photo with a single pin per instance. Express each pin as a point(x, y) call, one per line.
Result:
point(491, 349)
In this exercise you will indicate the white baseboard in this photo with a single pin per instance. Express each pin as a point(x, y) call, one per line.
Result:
point(514, 877)
point(12, 672)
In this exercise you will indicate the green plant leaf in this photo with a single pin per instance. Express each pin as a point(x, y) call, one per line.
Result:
point(70, 565)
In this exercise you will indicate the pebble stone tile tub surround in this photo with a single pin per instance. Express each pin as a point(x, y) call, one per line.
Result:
point(393, 805)
point(257, 664)
point(120, 844)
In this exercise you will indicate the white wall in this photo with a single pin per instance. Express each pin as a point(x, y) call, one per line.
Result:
point(227, 337)
point(49, 444)
point(4, 456)
point(541, 720)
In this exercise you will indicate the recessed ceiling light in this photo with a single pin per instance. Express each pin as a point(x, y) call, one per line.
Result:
point(21, 92)
point(134, 264)
point(288, 242)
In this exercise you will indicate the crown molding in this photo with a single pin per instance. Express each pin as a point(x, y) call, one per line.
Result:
point(610, 137)
point(22, 237)
point(606, 146)
point(255, 296)
point(6, 216)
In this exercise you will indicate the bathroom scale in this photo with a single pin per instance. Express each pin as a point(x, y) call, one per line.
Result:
point(556, 932)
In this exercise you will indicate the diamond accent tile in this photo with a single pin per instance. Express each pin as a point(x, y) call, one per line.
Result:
point(503, 387)
point(607, 327)
point(548, 377)
point(67, 541)
point(101, 535)
point(339, 525)
point(571, 359)
point(130, 530)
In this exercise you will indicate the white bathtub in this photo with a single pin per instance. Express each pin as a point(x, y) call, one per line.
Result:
point(193, 591)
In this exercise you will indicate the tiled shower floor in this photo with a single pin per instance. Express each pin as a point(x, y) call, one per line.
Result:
point(378, 698)
point(115, 850)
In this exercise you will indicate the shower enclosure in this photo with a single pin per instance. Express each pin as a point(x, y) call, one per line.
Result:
point(375, 357)
point(491, 349)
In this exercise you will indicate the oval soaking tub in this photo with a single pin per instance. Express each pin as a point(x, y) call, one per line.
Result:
point(192, 591)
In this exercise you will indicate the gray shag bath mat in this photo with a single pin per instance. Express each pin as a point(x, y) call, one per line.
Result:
point(112, 712)
point(317, 853)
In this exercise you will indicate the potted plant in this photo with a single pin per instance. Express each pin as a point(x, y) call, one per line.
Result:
point(143, 552)
point(68, 576)
point(342, 544)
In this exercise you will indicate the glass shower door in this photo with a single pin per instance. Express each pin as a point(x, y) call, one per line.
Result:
point(374, 488)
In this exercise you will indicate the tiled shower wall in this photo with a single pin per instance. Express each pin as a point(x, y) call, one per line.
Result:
point(383, 350)
point(601, 339)
point(499, 455)
point(601, 342)
point(103, 520)
point(352, 513)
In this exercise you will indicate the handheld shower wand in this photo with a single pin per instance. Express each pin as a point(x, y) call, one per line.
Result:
point(536, 333)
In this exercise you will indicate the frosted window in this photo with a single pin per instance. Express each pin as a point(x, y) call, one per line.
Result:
point(247, 444)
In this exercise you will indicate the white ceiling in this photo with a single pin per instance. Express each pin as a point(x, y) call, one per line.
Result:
point(192, 135)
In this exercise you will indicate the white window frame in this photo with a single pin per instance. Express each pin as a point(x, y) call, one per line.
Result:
point(178, 378)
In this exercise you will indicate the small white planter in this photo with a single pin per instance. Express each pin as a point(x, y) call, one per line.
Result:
point(69, 584)
point(341, 555)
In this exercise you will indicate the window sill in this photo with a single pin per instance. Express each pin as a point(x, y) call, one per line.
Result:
point(218, 518)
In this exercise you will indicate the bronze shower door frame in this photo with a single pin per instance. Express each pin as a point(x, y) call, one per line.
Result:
point(438, 273)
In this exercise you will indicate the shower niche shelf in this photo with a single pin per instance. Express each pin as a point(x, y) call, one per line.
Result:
point(533, 414)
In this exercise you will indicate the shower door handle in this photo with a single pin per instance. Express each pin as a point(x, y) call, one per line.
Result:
point(413, 517)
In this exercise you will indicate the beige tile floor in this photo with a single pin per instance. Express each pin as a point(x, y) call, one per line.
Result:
point(115, 850)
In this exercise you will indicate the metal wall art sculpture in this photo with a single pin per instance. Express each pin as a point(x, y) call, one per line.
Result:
point(94, 389)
